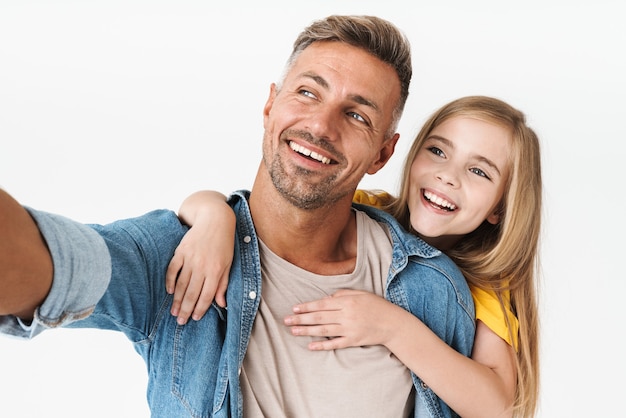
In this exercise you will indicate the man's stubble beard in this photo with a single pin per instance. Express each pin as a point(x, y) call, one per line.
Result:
point(297, 191)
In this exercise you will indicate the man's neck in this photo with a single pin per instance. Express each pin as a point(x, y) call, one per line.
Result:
point(322, 241)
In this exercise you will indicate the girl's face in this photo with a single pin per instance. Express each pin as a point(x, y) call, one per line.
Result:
point(458, 178)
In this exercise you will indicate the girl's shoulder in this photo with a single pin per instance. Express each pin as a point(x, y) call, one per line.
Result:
point(489, 311)
point(376, 198)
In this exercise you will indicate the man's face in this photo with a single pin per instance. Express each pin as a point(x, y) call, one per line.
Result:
point(325, 127)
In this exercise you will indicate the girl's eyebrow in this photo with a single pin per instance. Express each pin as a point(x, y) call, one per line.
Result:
point(489, 163)
point(441, 139)
point(480, 158)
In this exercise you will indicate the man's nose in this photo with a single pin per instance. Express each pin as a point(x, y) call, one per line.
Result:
point(324, 122)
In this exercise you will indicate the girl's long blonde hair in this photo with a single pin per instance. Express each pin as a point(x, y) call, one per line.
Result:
point(502, 257)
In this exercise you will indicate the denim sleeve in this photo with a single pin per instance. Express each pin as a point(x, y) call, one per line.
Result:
point(82, 268)
point(140, 250)
point(105, 276)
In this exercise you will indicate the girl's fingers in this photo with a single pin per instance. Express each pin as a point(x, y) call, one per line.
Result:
point(309, 319)
point(329, 344)
point(190, 298)
point(220, 293)
point(328, 331)
point(172, 273)
point(204, 300)
point(325, 304)
point(180, 289)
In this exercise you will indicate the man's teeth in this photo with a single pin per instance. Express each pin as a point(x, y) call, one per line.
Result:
point(431, 197)
point(312, 154)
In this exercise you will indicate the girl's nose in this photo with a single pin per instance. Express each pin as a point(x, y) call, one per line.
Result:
point(448, 177)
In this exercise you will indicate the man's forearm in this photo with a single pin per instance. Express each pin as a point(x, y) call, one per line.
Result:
point(25, 262)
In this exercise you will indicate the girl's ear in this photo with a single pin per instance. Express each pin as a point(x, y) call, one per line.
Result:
point(494, 217)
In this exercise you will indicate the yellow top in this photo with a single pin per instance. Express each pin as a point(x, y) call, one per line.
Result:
point(485, 301)
point(489, 312)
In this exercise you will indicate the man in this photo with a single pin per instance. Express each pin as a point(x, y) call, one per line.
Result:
point(330, 120)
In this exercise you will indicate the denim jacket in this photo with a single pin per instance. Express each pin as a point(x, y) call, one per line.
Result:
point(194, 369)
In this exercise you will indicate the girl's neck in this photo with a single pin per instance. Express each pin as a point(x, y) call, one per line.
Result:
point(442, 242)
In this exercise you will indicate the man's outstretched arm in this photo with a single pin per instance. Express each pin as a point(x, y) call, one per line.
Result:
point(25, 262)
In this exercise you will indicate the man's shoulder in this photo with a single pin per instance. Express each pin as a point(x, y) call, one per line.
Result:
point(156, 219)
point(377, 214)
point(407, 243)
point(239, 199)
point(158, 231)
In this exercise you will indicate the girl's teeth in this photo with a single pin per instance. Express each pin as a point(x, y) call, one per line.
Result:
point(439, 201)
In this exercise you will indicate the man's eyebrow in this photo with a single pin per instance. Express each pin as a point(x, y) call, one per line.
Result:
point(357, 98)
point(365, 102)
point(317, 78)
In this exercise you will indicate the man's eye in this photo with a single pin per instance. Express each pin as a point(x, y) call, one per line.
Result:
point(357, 116)
point(436, 151)
point(307, 94)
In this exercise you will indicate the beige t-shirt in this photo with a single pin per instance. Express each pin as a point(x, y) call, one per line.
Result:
point(281, 377)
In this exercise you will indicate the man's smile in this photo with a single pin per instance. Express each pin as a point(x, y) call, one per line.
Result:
point(308, 153)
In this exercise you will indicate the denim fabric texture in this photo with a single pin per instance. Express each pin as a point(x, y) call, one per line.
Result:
point(194, 369)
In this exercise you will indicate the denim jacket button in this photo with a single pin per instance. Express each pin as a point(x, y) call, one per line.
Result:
point(424, 385)
point(252, 294)
point(247, 239)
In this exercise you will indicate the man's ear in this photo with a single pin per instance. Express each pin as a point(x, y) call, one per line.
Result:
point(384, 154)
point(270, 102)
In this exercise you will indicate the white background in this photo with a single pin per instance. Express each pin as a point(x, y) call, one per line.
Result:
point(112, 108)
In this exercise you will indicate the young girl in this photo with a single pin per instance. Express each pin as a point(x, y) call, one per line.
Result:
point(472, 188)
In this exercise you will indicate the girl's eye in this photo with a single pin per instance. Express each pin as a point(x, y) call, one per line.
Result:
point(480, 172)
point(436, 151)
